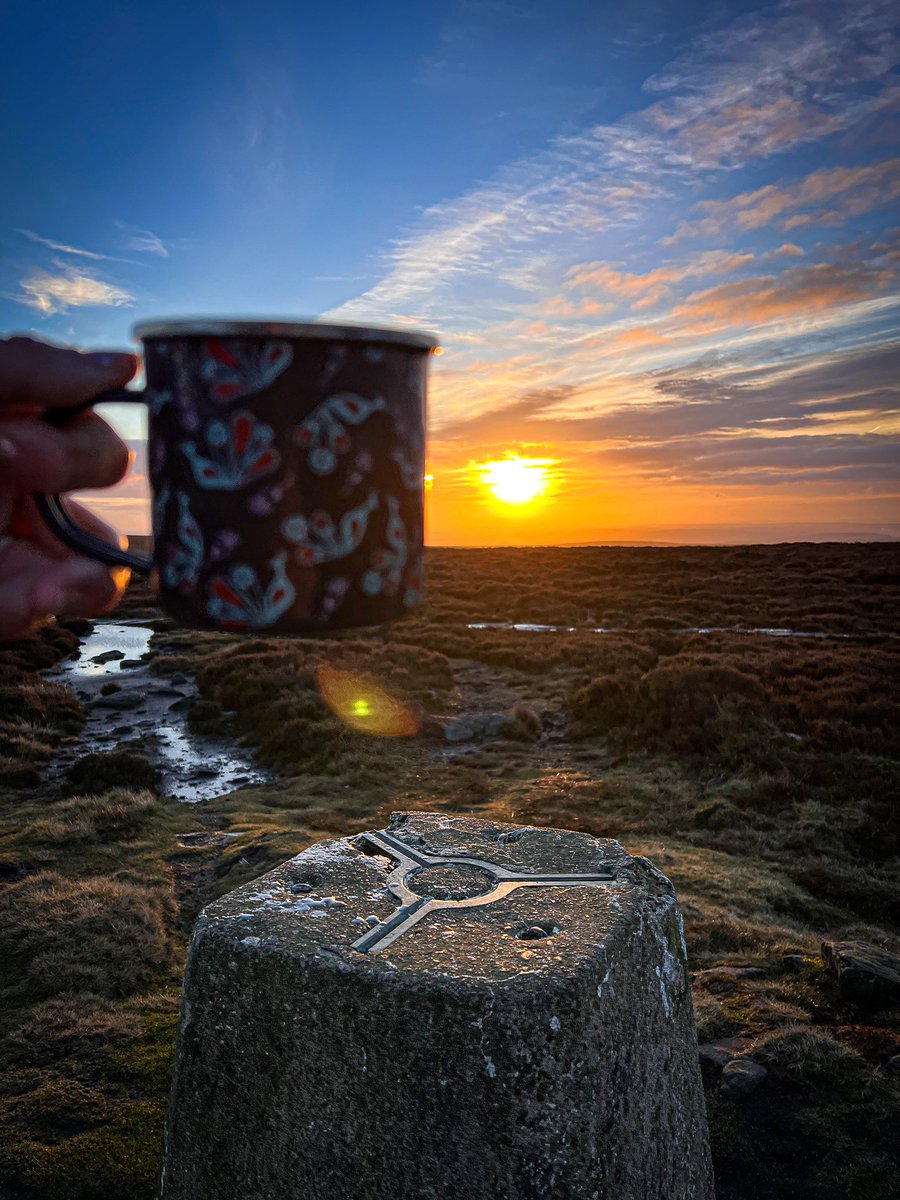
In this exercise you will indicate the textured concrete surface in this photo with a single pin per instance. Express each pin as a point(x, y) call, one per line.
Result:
point(540, 1045)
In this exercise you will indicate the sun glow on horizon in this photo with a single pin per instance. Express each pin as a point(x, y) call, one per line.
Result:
point(515, 480)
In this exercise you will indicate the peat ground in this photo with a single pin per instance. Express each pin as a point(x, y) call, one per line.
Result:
point(758, 770)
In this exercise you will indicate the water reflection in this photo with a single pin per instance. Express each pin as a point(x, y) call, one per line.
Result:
point(153, 710)
point(520, 627)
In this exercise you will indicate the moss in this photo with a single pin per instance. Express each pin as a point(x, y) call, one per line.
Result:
point(120, 1158)
point(94, 934)
point(94, 774)
point(148, 1061)
point(58, 1108)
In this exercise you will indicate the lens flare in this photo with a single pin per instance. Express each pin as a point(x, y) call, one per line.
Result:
point(363, 704)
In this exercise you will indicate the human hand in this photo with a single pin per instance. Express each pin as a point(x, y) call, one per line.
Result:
point(39, 576)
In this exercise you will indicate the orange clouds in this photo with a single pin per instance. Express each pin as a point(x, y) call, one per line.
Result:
point(559, 306)
point(647, 289)
point(640, 336)
point(799, 292)
point(847, 192)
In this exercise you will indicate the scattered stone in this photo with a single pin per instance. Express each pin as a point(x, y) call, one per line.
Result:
point(742, 1076)
point(80, 626)
point(864, 972)
point(120, 700)
point(107, 656)
point(474, 726)
point(716, 1055)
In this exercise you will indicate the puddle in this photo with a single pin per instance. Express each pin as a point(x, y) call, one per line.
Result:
point(736, 629)
point(194, 767)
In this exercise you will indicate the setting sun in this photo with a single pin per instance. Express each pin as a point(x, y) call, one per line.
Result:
point(515, 480)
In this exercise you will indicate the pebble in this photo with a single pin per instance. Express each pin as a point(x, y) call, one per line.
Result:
point(742, 1076)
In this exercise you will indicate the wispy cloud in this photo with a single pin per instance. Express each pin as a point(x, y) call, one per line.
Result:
point(143, 241)
point(768, 82)
point(799, 291)
point(829, 197)
point(63, 248)
point(69, 288)
point(569, 332)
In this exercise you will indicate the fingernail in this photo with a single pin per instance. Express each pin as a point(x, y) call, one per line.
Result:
point(9, 452)
point(105, 361)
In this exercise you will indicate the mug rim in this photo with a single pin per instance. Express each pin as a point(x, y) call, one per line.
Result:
point(239, 327)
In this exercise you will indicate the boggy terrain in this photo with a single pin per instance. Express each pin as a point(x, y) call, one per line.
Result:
point(758, 770)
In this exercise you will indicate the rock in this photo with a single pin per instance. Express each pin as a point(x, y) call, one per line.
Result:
point(475, 725)
point(107, 656)
point(438, 1053)
point(795, 962)
point(120, 700)
point(864, 972)
point(178, 677)
point(80, 626)
point(715, 1055)
point(893, 1065)
point(109, 689)
point(185, 704)
point(130, 662)
point(742, 1076)
point(165, 692)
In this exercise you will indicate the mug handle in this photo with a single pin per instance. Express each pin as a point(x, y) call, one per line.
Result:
point(53, 511)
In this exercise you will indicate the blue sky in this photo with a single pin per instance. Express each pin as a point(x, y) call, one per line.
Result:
point(658, 242)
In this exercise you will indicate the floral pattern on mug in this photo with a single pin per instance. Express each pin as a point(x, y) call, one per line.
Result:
point(237, 599)
point(236, 369)
point(181, 570)
point(335, 591)
point(324, 432)
point(319, 540)
point(413, 594)
point(387, 565)
point(238, 452)
point(411, 461)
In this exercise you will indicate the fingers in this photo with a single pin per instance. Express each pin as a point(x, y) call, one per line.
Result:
point(33, 587)
point(37, 457)
point(49, 543)
point(37, 376)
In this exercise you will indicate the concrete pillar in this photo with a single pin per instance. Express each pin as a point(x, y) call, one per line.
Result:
point(446, 1008)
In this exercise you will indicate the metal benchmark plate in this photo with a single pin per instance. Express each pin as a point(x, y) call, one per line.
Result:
point(418, 875)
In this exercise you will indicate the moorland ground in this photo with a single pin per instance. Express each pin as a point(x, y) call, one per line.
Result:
point(758, 770)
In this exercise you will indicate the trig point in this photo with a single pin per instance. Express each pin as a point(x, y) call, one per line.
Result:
point(447, 1007)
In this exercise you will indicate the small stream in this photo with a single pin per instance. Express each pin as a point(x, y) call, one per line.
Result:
point(150, 709)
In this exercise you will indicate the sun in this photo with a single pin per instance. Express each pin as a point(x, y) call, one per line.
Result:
point(515, 480)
